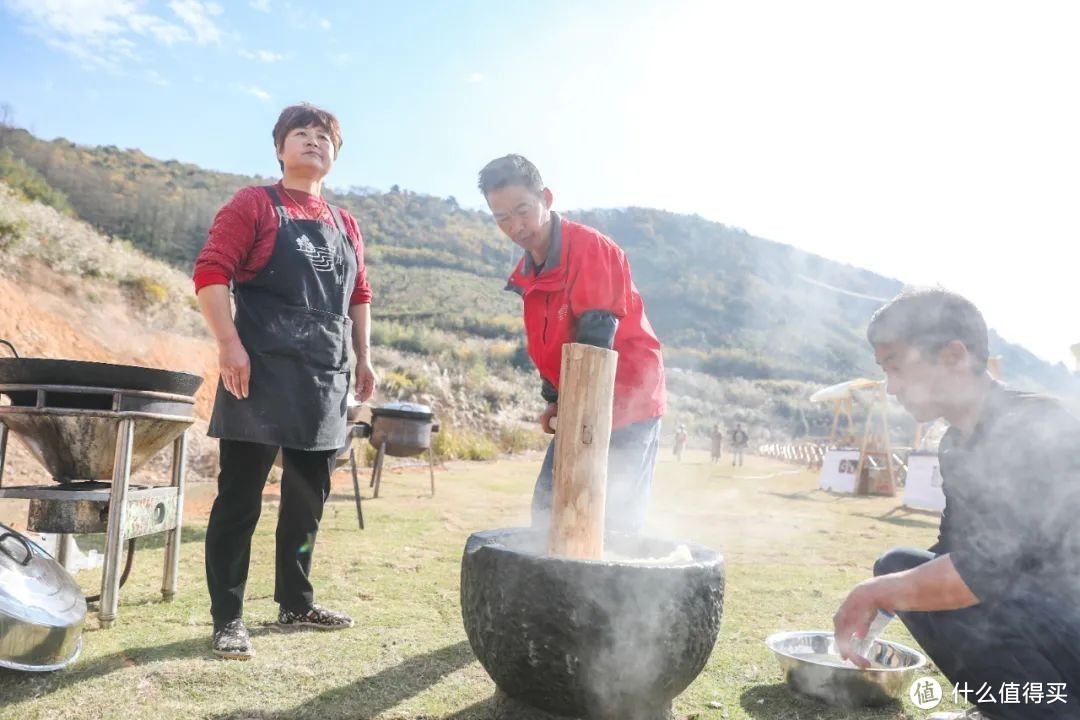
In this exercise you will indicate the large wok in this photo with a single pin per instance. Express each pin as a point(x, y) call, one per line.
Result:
point(43, 371)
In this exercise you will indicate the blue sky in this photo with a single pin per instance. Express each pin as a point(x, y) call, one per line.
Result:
point(425, 94)
point(935, 142)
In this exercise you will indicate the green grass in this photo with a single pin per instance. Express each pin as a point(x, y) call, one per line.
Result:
point(792, 552)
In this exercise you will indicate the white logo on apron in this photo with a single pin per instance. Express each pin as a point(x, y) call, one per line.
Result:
point(320, 258)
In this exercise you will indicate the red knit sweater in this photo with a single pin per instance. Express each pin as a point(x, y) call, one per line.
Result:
point(241, 240)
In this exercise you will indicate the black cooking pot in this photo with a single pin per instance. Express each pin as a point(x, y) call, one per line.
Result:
point(404, 428)
point(43, 371)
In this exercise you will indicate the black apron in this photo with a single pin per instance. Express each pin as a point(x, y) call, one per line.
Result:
point(293, 321)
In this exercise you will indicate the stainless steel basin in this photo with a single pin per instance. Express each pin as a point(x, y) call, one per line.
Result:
point(812, 666)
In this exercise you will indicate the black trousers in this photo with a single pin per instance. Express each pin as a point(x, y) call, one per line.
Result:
point(305, 485)
point(994, 649)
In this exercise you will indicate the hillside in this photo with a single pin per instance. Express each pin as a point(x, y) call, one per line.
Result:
point(67, 291)
point(726, 304)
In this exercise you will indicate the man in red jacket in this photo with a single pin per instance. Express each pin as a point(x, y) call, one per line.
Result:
point(575, 285)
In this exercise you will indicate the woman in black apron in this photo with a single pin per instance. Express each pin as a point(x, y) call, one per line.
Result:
point(295, 265)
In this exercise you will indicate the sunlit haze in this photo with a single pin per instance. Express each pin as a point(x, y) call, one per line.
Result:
point(933, 142)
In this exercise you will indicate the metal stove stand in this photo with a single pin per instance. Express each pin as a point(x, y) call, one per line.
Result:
point(74, 443)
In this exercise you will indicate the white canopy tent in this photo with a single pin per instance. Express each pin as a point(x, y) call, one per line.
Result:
point(847, 468)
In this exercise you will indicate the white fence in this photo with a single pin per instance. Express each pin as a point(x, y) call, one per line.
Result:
point(807, 454)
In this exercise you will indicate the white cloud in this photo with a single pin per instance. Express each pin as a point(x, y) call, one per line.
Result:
point(257, 92)
point(260, 5)
point(199, 17)
point(111, 56)
point(155, 77)
point(262, 55)
point(103, 33)
point(91, 19)
point(81, 51)
point(324, 24)
point(475, 78)
point(164, 32)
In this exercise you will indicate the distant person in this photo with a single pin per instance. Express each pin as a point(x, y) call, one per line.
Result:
point(680, 441)
point(739, 441)
point(575, 286)
point(717, 442)
point(295, 268)
point(994, 602)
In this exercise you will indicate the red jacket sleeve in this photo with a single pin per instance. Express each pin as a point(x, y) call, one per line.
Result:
point(362, 290)
point(599, 278)
point(230, 239)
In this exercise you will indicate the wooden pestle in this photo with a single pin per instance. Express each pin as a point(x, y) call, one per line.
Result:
point(582, 435)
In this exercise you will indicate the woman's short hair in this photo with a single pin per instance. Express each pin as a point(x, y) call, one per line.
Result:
point(306, 115)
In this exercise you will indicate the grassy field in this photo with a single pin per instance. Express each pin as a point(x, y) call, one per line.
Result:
point(791, 551)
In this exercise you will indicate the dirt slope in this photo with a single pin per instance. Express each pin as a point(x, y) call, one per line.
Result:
point(47, 313)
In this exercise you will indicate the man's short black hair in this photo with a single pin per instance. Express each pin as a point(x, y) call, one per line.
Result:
point(510, 170)
point(930, 319)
